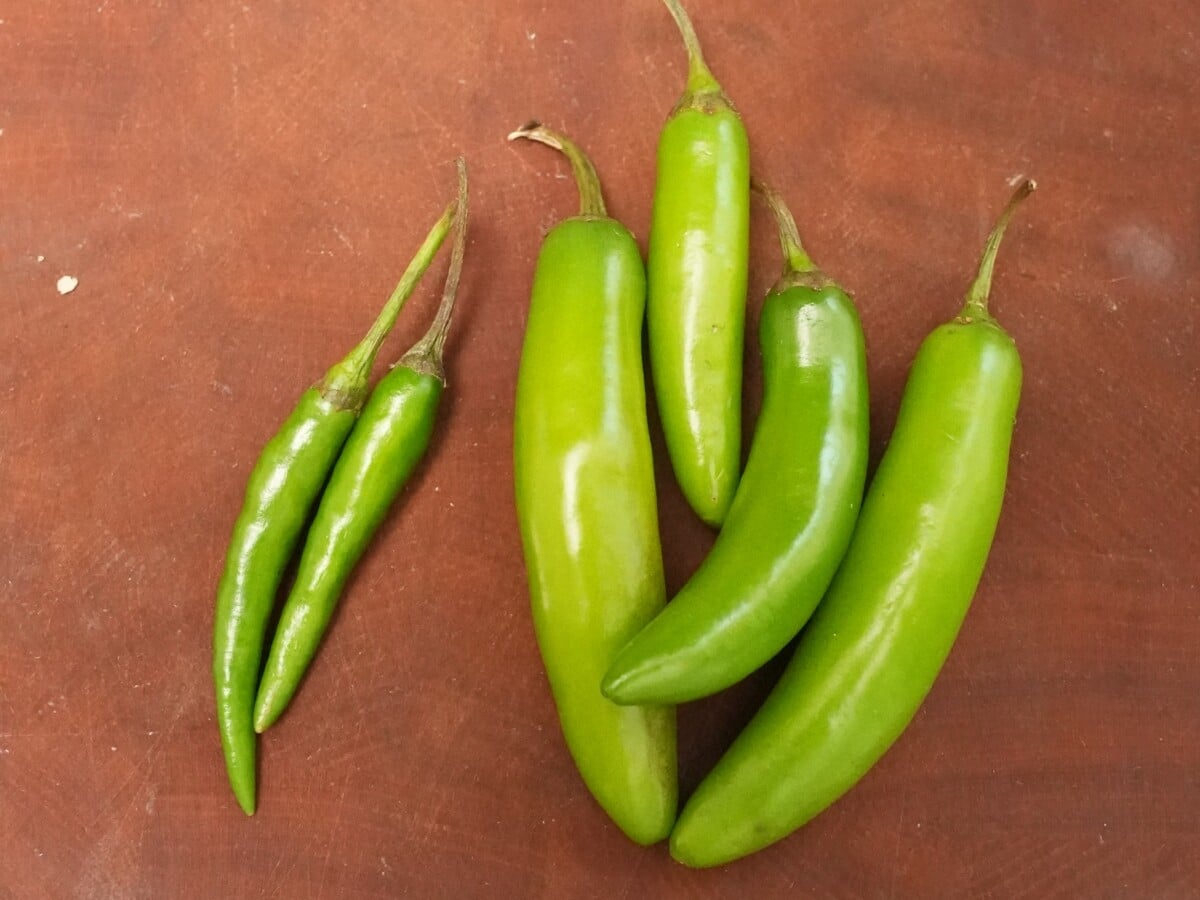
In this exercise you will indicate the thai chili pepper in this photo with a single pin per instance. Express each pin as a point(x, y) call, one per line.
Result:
point(696, 268)
point(585, 496)
point(388, 440)
point(877, 641)
point(795, 506)
point(281, 490)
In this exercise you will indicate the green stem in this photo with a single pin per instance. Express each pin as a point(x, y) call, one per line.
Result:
point(700, 77)
point(426, 354)
point(591, 200)
point(976, 305)
point(795, 257)
point(345, 385)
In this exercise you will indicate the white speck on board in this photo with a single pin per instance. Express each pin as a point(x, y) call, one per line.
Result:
point(67, 283)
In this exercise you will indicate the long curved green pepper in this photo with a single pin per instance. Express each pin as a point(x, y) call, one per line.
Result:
point(584, 481)
point(389, 439)
point(881, 634)
point(281, 489)
point(795, 506)
point(696, 271)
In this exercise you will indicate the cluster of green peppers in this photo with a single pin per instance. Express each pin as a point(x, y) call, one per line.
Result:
point(352, 453)
point(881, 581)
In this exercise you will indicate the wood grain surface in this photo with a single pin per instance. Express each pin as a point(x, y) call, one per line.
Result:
point(236, 186)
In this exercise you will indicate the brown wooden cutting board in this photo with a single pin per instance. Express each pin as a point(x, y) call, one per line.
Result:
point(236, 187)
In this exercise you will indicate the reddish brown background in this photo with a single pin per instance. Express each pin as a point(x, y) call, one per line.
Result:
point(238, 185)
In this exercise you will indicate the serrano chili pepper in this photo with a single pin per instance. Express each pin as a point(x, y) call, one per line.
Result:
point(882, 633)
point(281, 489)
point(696, 307)
point(585, 496)
point(795, 506)
point(387, 442)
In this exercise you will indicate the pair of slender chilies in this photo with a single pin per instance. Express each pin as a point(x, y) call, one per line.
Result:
point(353, 453)
point(883, 588)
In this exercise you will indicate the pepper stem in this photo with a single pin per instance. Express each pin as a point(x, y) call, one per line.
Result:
point(345, 385)
point(977, 297)
point(700, 77)
point(591, 200)
point(426, 354)
point(795, 257)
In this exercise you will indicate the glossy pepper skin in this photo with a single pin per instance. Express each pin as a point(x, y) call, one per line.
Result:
point(585, 496)
point(282, 488)
point(389, 439)
point(795, 507)
point(879, 638)
point(696, 270)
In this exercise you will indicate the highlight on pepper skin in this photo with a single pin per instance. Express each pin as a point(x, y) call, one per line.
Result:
point(586, 501)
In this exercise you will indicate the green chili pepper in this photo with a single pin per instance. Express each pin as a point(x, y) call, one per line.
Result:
point(387, 442)
point(880, 636)
point(696, 307)
point(795, 506)
point(282, 487)
point(585, 495)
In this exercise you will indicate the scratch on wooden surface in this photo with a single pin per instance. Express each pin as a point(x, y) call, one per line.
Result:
point(1062, 863)
point(143, 767)
point(108, 870)
point(348, 679)
point(895, 868)
point(632, 886)
point(341, 236)
point(280, 882)
point(235, 89)
point(424, 142)
point(330, 841)
point(91, 732)
point(111, 867)
point(1017, 867)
